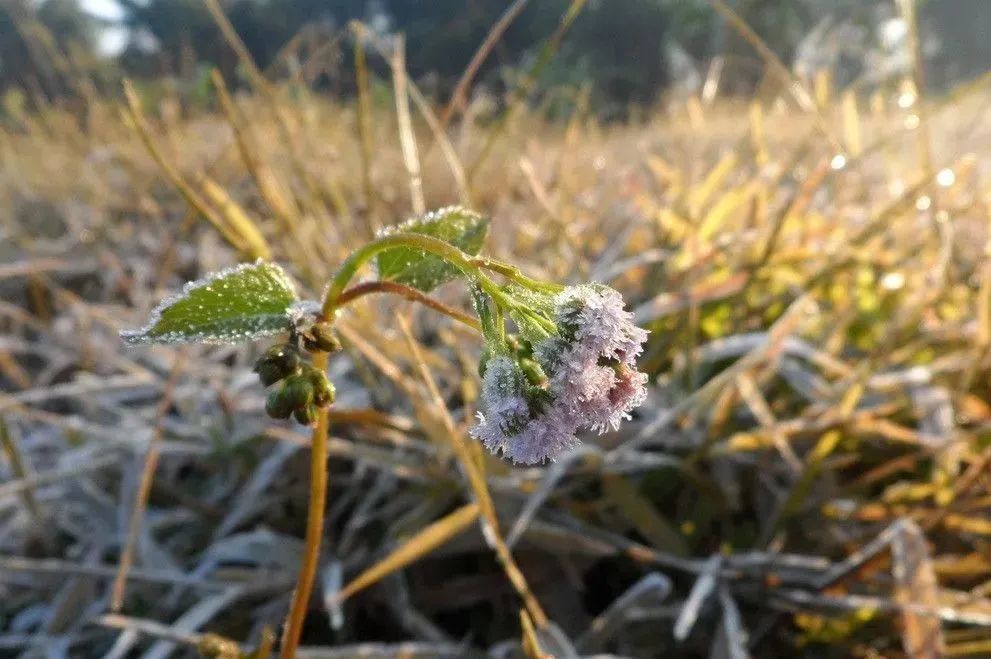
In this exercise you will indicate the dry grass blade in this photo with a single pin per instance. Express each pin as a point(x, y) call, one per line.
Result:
point(915, 585)
point(471, 462)
point(15, 456)
point(407, 139)
point(413, 549)
point(794, 86)
point(388, 651)
point(144, 486)
point(364, 120)
point(137, 120)
point(531, 644)
point(651, 589)
point(460, 93)
point(731, 638)
point(526, 86)
point(705, 585)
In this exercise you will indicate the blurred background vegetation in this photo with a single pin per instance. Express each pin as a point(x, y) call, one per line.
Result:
point(626, 52)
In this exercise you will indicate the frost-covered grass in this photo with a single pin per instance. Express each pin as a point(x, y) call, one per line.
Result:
point(810, 465)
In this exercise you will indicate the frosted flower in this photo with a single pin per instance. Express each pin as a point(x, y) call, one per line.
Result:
point(628, 392)
point(584, 389)
point(594, 315)
point(544, 438)
point(593, 365)
point(522, 429)
point(507, 410)
point(592, 382)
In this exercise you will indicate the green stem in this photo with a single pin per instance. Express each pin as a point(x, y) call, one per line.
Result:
point(514, 274)
point(471, 266)
point(359, 257)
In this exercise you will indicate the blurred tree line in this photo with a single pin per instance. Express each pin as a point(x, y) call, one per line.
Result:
point(622, 50)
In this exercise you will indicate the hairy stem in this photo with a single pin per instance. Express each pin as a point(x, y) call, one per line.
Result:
point(514, 274)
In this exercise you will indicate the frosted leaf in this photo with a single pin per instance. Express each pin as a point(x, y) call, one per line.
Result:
point(463, 228)
point(237, 304)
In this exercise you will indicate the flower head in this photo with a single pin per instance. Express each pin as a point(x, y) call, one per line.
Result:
point(519, 421)
point(628, 392)
point(592, 381)
point(597, 319)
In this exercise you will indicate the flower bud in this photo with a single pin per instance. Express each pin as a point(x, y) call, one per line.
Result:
point(307, 414)
point(278, 362)
point(323, 389)
point(298, 390)
point(277, 405)
point(521, 347)
point(321, 338)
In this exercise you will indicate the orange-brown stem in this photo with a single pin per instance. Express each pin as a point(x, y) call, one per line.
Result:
point(410, 293)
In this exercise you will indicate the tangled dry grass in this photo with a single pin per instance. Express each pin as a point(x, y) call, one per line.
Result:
point(809, 475)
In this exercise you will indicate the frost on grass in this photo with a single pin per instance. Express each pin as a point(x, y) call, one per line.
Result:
point(237, 304)
point(463, 228)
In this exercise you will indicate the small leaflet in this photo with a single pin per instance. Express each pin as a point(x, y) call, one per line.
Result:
point(237, 304)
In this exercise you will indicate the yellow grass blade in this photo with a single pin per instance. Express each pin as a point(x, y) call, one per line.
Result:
point(236, 218)
point(414, 549)
point(134, 116)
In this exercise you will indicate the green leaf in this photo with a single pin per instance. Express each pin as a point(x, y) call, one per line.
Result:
point(241, 303)
point(458, 226)
point(528, 327)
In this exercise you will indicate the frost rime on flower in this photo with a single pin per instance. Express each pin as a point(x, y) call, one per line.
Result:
point(593, 380)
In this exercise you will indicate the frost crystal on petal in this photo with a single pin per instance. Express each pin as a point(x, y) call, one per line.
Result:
point(628, 392)
point(596, 317)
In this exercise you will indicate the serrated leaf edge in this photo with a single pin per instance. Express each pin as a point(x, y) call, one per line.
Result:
point(409, 225)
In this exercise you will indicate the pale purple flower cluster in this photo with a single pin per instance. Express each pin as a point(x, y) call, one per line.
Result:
point(593, 364)
point(514, 424)
point(592, 383)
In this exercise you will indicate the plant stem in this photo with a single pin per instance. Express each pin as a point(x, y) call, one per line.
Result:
point(514, 274)
point(314, 527)
point(417, 241)
point(408, 292)
point(318, 456)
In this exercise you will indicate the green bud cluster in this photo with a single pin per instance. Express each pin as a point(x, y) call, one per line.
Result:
point(279, 362)
point(320, 337)
point(303, 389)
